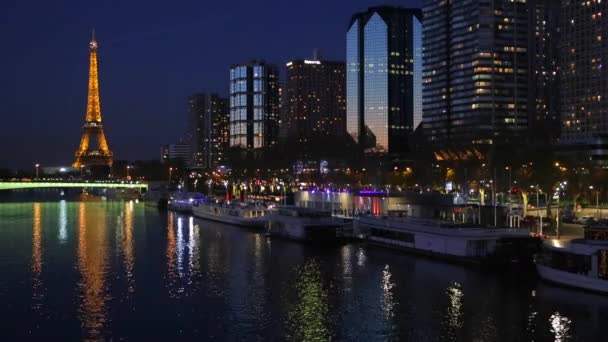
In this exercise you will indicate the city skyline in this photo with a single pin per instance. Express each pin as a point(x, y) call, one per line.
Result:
point(45, 73)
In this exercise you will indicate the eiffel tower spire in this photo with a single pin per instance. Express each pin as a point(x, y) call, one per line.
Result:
point(93, 128)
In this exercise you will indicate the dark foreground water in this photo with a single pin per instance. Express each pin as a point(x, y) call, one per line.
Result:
point(121, 271)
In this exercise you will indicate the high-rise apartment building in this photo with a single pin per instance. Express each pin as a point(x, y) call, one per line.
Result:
point(254, 105)
point(209, 128)
point(584, 73)
point(315, 100)
point(384, 78)
point(475, 72)
point(544, 72)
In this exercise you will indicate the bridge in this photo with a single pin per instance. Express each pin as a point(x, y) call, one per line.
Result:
point(46, 184)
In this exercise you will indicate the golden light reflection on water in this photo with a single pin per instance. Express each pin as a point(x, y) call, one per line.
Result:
point(170, 254)
point(92, 265)
point(127, 246)
point(37, 284)
point(308, 316)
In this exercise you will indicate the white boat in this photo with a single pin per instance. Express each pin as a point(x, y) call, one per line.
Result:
point(305, 224)
point(245, 215)
point(450, 240)
point(581, 263)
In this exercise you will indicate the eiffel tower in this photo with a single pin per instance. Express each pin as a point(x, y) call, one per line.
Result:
point(93, 129)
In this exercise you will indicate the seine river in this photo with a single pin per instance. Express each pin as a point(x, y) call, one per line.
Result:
point(121, 271)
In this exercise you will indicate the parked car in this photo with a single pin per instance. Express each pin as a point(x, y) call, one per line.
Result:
point(532, 222)
point(568, 219)
point(585, 220)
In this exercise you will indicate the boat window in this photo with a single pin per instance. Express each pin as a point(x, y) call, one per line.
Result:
point(393, 235)
point(573, 263)
point(602, 269)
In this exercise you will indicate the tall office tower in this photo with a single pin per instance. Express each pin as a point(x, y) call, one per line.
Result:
point(584, 73)
point(254, 105)
point(475, 72)
point(544, 51)
point(209, 128)
point(315, 100)
point(384, 78)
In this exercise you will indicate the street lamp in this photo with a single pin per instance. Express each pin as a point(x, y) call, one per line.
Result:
point(510, 188)
point(284, 193)
point(170, 173)
point(37, 167)
point(82, 171)
point(128, 167)
point(597, 200)
point(226, 186)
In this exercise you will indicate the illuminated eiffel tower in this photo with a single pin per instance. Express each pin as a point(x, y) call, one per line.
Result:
point(93, 129)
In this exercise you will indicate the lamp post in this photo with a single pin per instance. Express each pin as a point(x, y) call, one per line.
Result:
point(37, 167)
point(128, 167)
point(82, 171)
point(510, 189)
point(284, 193)
point(226, 186)
point(597, 200)
point(170, 173)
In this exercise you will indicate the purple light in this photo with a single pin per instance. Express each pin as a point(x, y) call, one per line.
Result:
point(371, 192)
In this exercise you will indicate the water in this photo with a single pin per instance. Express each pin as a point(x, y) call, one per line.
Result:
point(120, 271)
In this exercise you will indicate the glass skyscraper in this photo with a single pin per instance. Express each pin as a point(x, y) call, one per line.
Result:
point(384, 78)
point(475, 72)
point(254, 105)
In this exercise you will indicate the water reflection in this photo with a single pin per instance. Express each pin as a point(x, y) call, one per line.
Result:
point(361, 257)
point(37, 284)
point(170, 254)
point(308, 317)
point(388, 298)
point(454, 318)
point(127, 246)
point(560, 327)
point(63, 221)
point(194, 265)
point(92, 265)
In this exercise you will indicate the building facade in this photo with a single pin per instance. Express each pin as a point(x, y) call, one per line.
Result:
point(384, 78)
point(544, 51)
point(475, 72)
point(584, 79)
point(209, 129)
point(315, 100)
point(254, 105)
point(176, 152)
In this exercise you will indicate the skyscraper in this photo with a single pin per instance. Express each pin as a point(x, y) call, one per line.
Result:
point(475, 72)
point(544, 71)
point(209, 128)
point(584, 77)
point(315, 100)
point(384, 78)
point(254, 105)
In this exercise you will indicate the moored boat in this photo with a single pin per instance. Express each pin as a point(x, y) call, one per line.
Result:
point(450, 240)
point(580, 263)
point(184, 201)
point(305, 224)
point(235, 213)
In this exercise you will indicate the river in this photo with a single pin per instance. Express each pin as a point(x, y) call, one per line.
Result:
point(103, 270)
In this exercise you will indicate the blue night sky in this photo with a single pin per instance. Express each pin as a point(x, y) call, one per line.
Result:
point(152, 55)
